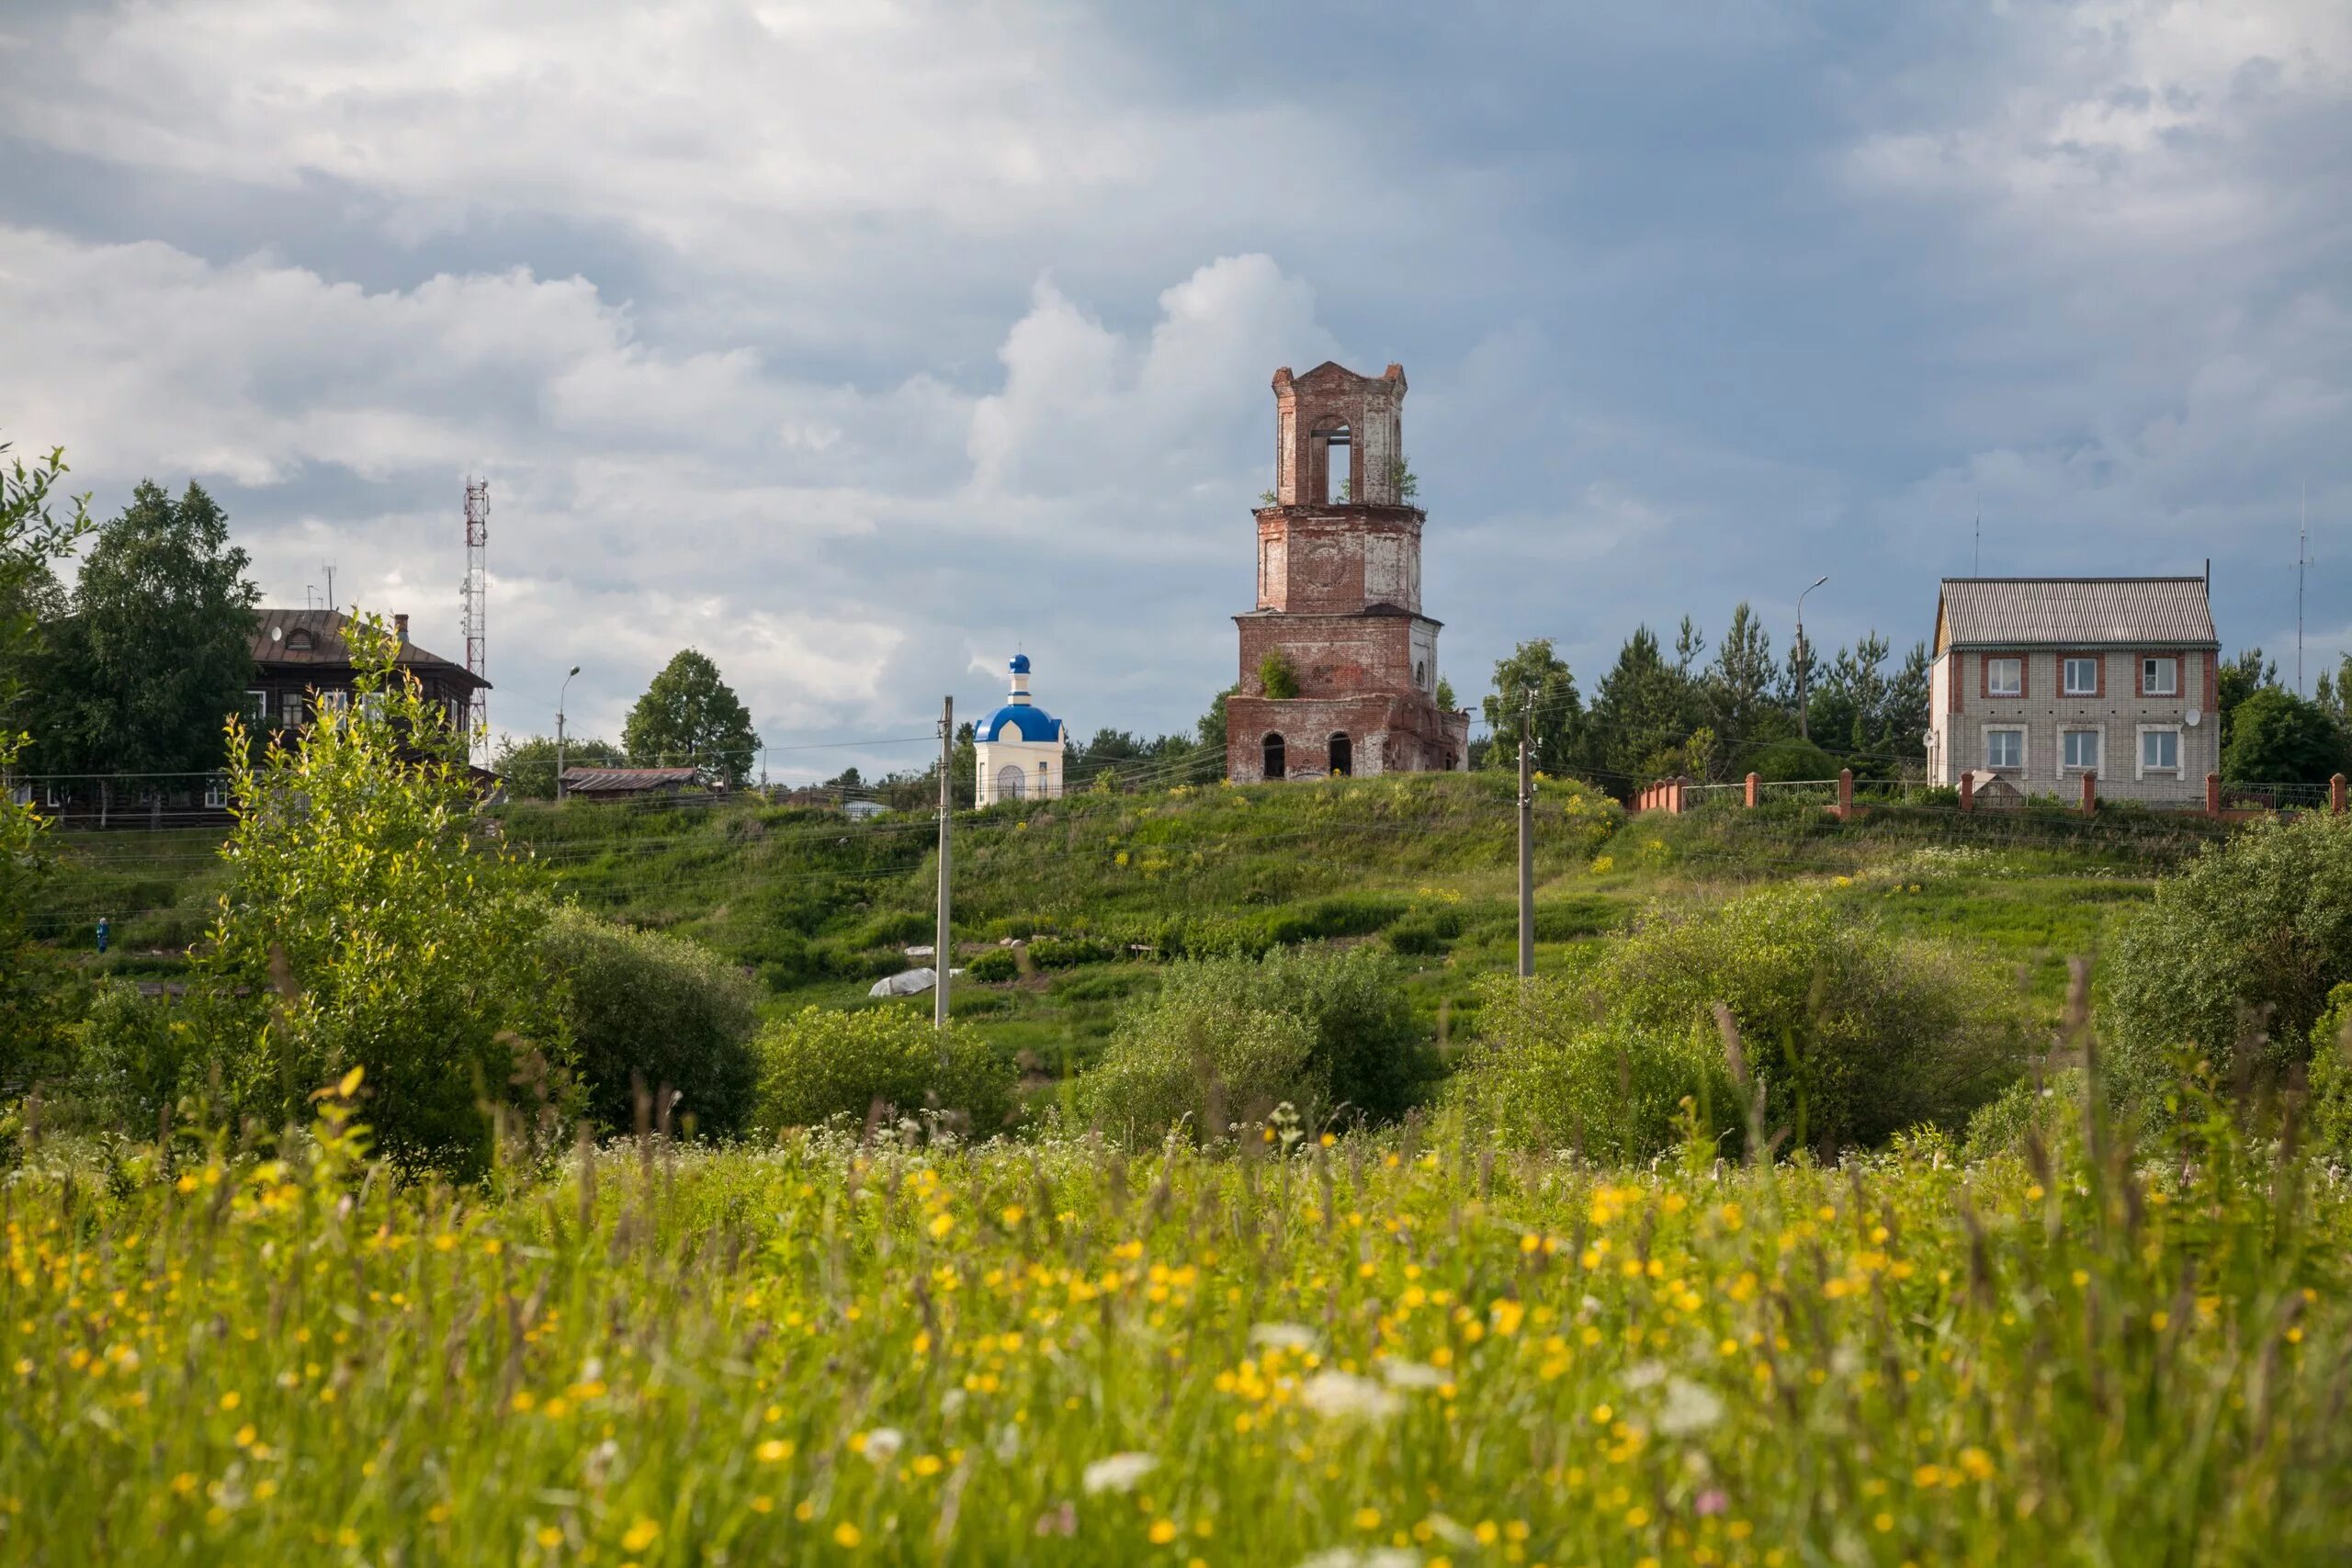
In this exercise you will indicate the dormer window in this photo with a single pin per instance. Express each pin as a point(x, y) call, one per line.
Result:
point(299, 641)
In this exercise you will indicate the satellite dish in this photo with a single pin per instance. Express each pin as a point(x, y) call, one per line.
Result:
point(2192, 717)
point(277, 634)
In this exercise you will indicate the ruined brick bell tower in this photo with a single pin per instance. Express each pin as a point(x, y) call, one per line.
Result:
point(1340, 597)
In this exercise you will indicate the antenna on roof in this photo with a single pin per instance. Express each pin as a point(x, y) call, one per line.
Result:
point(328, 567)
point(2302, 537)
point(1978, 568)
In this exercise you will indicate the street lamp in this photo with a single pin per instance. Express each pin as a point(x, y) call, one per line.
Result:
point(560, 692)
point(1804, 665)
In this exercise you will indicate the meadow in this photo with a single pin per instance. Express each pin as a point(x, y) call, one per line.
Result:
point(1403, 1347)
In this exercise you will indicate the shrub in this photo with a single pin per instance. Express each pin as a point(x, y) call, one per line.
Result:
point(134, 1057)
point(1792, 760)
point(2244, 945)
point(1548, 1075)
point(1856, 1035)
point(817, 1065)
point(1276, 679)
point(2331, 1079)
point(365, 925)
point(1197, 1054)
point(657, 1010)
point(1362, 1052)
point(2053, 1107)
point(993, 967)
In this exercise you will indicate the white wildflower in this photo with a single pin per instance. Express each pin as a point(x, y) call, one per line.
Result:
point(1347, 1557)
point(1337, 1394)
point(883, 1443)
point(1452, 1531)
point(1284, 1335)
point(1118, 1474)
point(1691, 1408)
point(1644, 1374)
point(1410, 1375)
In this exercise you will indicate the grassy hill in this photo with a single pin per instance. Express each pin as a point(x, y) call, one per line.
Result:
point(817, 906)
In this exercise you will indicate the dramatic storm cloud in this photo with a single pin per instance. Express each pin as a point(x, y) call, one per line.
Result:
point(856, 344)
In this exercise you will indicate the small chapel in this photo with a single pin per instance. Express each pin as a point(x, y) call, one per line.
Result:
point(1338, 624)
point(1018, 749)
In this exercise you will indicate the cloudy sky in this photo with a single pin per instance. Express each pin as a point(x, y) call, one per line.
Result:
point(858, 344)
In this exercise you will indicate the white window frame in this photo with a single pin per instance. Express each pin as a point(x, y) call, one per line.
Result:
point(2099, 744)
point(334, 699)
point(257, 705)
point(372, 703)
point(2151, 660)
point(53, 796)
point(2142, 768)
point(216, 794)
point(289, 710)
point(2066, 686)
point(1992, 681)
point(1990, 731)
point(22, 795)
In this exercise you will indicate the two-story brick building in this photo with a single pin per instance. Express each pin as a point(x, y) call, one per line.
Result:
point(2038, 681)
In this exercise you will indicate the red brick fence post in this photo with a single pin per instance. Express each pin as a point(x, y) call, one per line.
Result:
point(2335, 795)
point(1968, 792)
point(2090, 794)
point(1749, 800)
point(2212, 794)
point(1845, 794)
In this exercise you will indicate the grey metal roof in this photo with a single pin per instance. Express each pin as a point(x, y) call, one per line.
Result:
point(2074, 612)
point(625, 781)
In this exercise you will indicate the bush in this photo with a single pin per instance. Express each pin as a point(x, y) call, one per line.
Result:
point(818, 1065)
point(134, 1058)
point(1198, 1053)
point(2241, 946)
point(2331, 1079)
point(657, 1010)
point(993, 967)
point(1792, 760)
point(1361, 1055)
point(1856, 1036)
point(1549, 1076)
point(1853, 1035)
point(366, 925)
point(2052, 1108)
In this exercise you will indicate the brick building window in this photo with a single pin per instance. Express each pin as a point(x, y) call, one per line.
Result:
point(2159, 677)
point(2004, 677)
point(1272, 750)
point(1342, 754)
point(2004, 748)
point(2082, 677)
point(2159, 750)
point(2081, 752)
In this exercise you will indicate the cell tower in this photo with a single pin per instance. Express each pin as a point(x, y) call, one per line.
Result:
point(476, 620)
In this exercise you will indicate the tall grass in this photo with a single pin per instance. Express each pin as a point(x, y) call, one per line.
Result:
point(830, 1350)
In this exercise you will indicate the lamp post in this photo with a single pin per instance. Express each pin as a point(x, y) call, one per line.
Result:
point(1804, 666)
point(560, 692)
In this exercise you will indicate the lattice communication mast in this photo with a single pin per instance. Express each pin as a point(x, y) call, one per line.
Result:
point(475, 595)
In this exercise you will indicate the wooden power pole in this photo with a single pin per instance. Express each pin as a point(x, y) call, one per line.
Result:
point(942, 950)
point(1526, 846)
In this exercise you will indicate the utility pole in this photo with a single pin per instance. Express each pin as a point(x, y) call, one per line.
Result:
point(2303, 541)
point(559, 734)
point(1804, 666)
point(1526, 845)
point(940, 952)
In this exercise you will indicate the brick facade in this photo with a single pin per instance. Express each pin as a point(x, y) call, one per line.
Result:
point(1339, 596)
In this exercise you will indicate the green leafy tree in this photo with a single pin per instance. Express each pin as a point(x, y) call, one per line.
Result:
point(2241, 949)
point(2236, 680)
point(1445, 697)
point(36, 527)
point(1534, 687)
point(367, 924)
point(159, 648)
point(1212, 731)
point(689, 716)
point(2332, 691)
point(2276, 737)
point(527, 762)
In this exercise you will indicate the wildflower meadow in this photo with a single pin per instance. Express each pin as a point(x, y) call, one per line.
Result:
point(1281, 1347)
